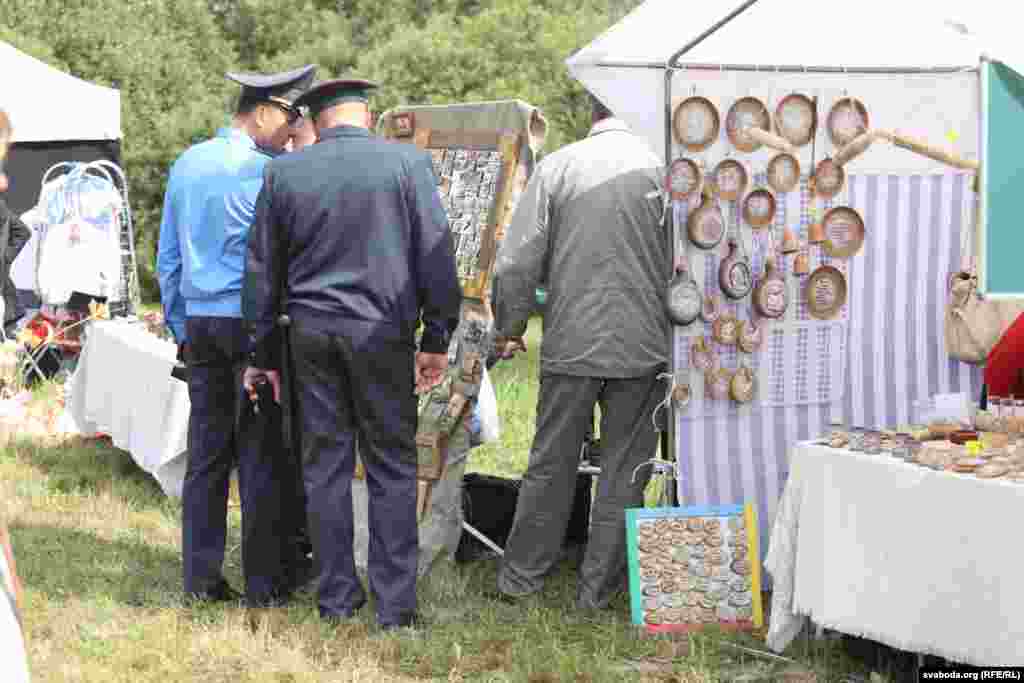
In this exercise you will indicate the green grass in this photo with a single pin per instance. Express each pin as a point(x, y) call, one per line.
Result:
point(98, 549)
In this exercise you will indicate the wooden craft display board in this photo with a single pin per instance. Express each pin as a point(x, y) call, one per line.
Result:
point(476, 174)
point(693, 567)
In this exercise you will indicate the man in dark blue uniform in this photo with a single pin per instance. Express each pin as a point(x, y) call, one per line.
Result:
point(208, 210)
point(351, 241)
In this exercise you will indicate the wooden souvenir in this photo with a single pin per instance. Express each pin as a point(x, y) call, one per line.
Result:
point(705, 225)
point(725, 330)
point(681, 394)
point(750, 336)
point(801, 264)
point(743, 386)
point(759, 208)
point(847, 119)
point(404, 124)
point(730, 179)
point(844, 232)
point(711, 309)
point(769, 140)
point(795, 119)
point(695, 123)
point(684, 178)
point(747, 112)
point(790, 243)
point(734, 276)
point(825, 293)
point(717, 383)
point(829, 178)
point(771, 297)
point(702, 355)
point(855, 148)
point(783, 173)
point(684, 297)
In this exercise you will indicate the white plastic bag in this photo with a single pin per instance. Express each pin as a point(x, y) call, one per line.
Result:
point(487, 404)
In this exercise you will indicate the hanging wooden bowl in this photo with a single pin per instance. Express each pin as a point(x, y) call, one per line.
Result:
point(725, 329)
point(703, 356)
point(695, 123)
point(847, 119)
point(743, 385)
point(783, 173)
point(825, 293)
point(844, 232)
point(829, 178)
point(706, 225)
point(750, 336)
point(684, 178)
point(746, 112)
point(730, 178)
point(717, 384)
point(795, 118)
point(734, 276)
point(759, 208)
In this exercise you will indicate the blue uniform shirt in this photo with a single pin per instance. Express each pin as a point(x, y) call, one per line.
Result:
point(209, 207)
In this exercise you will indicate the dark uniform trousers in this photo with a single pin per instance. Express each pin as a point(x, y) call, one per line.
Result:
point(349, 389)
point(565, 412)
point(223, 431)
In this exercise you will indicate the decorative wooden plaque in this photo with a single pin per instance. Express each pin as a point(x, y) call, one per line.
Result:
point(475, 172)
point(693, 567)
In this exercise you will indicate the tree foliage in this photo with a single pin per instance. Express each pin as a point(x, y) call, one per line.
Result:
point(168, 58)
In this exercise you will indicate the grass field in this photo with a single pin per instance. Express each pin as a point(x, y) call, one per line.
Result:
point(97, 546)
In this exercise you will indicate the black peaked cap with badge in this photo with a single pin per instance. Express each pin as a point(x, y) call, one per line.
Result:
point(327, 94)
point(283, 88)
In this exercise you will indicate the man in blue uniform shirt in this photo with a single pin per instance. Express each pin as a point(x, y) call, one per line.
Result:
point(351, 241)
point(208, 210)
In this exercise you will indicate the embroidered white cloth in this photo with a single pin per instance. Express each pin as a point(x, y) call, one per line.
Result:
point(123, 387)
point(919, 560)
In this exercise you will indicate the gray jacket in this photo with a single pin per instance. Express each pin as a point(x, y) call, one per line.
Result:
point(588, 225)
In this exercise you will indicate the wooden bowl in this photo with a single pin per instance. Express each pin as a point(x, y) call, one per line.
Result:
point(759, 208)
point(844, 232)
point(825, 292)
point(684, 178)
point(847, 119)
point(695, 123)
point(730, 178)
point(747, 111)
point(794, 119)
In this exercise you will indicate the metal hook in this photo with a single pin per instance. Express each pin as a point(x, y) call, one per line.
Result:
point(665, 402)
point(660, 467)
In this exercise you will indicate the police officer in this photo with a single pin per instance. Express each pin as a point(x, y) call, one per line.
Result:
point(208, 209)
point(351, 241)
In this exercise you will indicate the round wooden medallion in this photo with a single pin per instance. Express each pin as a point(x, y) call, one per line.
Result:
point(844, 232)
point(794, 119)
point(743, 385)
point(825, 293)
point(829, 178)
point(734, 276)
point(725, 330)
point(695, 123)
point(730, 179)
point(759, 208)
point(783, 173)
point(684, 178)
point(747, 112)
point(847, 119)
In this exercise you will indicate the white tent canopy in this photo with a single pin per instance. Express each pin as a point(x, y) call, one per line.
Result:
point(37, 98)
point(935, 45)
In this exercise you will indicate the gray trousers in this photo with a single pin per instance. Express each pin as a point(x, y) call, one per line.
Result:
point(565, 409)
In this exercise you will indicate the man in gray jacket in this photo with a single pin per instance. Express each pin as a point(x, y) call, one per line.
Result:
point(589, 226)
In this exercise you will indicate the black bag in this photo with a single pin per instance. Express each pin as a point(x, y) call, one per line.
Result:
point(489, 506)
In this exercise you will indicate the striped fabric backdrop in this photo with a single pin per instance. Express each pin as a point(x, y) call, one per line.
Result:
point(896, 351)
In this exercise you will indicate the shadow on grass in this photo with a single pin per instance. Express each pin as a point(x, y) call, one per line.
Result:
point(91, 466)
point(66, 564)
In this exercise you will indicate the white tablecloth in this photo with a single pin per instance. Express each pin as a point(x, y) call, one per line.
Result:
point(123, 387)
point(919, 560)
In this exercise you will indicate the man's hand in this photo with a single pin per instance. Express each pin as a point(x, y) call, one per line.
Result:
point(429, 370)
point(506, 347)
point(254, 377)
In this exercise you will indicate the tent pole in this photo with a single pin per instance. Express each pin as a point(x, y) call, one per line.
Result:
point(674, 59)
point(668, 434)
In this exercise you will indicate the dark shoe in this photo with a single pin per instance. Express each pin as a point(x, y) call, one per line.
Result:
point(222, 592)
point(341, 617)
point(299, 575)
point(413, 620)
